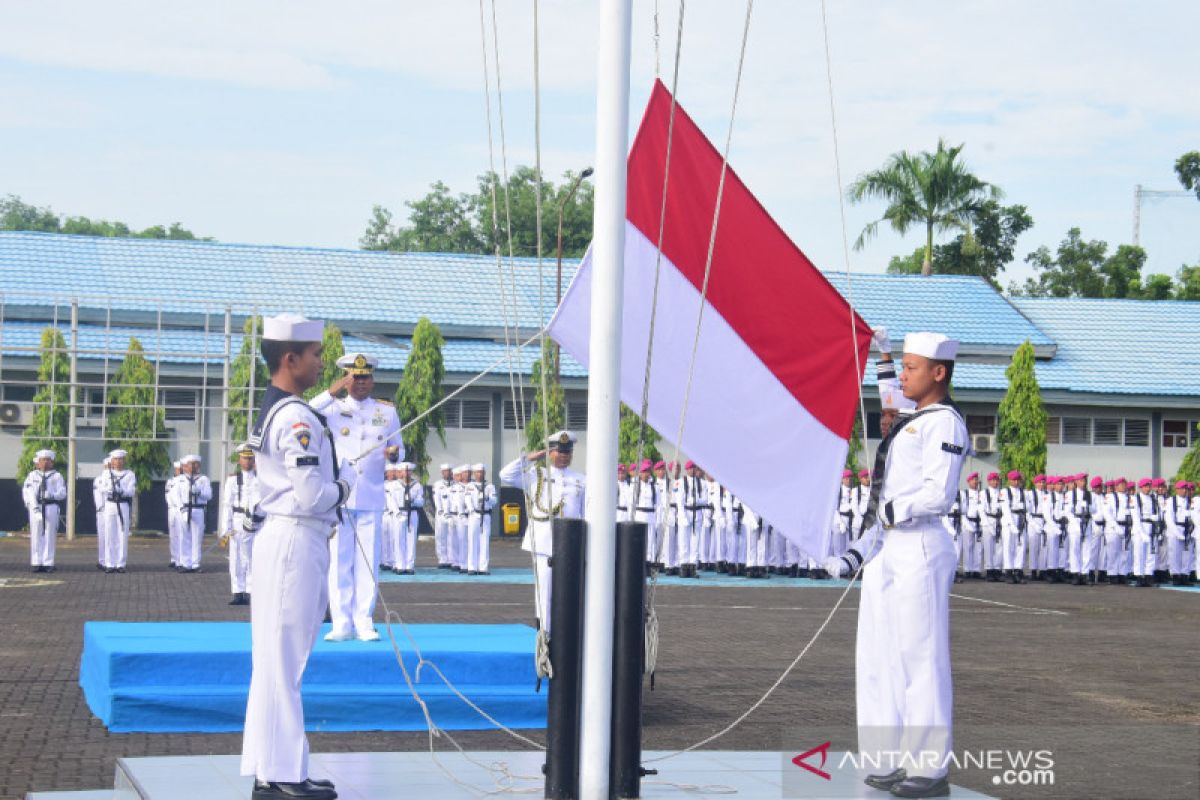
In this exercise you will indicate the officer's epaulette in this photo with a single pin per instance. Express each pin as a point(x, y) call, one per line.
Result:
point(384, 402)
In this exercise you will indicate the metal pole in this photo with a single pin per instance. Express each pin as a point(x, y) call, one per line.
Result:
point(629, 660)
point(604, 382)
point(253, 371)
point(562, 704)
point(72, 423)
point(224, 450)
point(1137, 213)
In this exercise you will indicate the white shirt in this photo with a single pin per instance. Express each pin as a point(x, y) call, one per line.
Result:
point(194, 491)
point(552, 493)
point(920, 478)
point(478, 498)
point(43, 488)
point(117, 487)
point(239, 495)
point(360, 426)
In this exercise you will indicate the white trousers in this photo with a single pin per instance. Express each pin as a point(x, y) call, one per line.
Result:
point(241, 548)
point(1114, 544)
point(387, 539)
point(1089, 548)
point(173, 533)
point(353, 568)
point(404, 542)
point(972, 548)
point(544, 591)
point(736, 552)
point(43, 535)
point(115, 546)
point(1145, 555)
point(441, 538)
point(756, 547)
point(671, 546)
point(1012, 542)
point(902, 661)
point(687, 543)
point(704, 543)
point(100, 536)
point(191, 536)
point(289, 574)
point(1036, 549)
point(456, 549)
point(479, 542)
point(992, 541)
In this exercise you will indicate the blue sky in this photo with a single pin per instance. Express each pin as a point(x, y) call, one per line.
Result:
point(283, 123)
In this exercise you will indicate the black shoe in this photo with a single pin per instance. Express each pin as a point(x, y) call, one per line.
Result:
point(884, 783)
point(443, 566)
point(802, 572)
point(237, 599)
point(51, 568)
point(109, 570)
point(324, 783)
point(35, 569)
point(121, 570)
point(481, 572)
point(99, 566)
point(921, 787)
point(1079, 579)
point(306, 790)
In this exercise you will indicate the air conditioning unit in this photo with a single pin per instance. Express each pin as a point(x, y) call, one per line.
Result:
point(16, 413)
point(983, 442)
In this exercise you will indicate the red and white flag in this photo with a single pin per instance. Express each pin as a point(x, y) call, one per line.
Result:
point(776, 381)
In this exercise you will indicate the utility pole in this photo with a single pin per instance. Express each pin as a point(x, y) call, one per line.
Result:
point(1140, 192)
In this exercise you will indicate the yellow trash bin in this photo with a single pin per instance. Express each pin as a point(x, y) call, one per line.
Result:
point(512, 518)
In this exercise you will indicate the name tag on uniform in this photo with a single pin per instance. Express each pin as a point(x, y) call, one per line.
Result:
point(956, 449)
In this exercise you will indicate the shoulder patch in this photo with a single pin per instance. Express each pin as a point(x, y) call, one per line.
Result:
point(303, 436)
point(956, 449)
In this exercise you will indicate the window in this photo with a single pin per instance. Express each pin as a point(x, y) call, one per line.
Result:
point(510, 414)
point(577, 416)
point(1175, 432)
point(95, 403)
point(476, 414)
point(980, 423)
point(451, 415)
point(19, 394)
point(1053, 430)
point(180, 404)
point(1077, 430)
point(1106, 432)
point(1137, 432)
point(874, 428)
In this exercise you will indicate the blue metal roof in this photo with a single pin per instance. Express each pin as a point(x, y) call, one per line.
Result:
point(1119, 346)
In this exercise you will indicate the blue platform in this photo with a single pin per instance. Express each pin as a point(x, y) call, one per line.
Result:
point(194, 677)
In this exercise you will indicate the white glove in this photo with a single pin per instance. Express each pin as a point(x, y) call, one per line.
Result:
point(882, 340)
point(347, 477)
point(837, 566)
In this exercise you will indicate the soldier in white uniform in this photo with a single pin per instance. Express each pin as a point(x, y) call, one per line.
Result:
point(714, 523)
point(692, 497)
point(1114, 531)
point(98, 504)
point(440, 491)
point(1177, 519)
point(43, 492)
point(239, 498)
point(480, 499)
point(554, 491)
point(1192, 559)
point(117, 485)
point(458, 518)
point(300, 494)
point(1014, 526)
point(1147, 516)
point(645, 508)
point(843, 517)
point(409, 498)
point(387, 527)
point(1097, 551)
point(990, 515)
point(903, 661)
point(1038, 497)
point(173, 512)
point(363, 426)
point(192, 495)
point(623, 493)
point(972, 536)
point(739, 517)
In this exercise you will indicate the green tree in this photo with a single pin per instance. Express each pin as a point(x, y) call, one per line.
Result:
point(1123, 272)
point(334, 349)
point(444, 222)
point(136, 424)
point(556, 407)
point(51, 404)
point(1157, 287)
point(985, 249)
point(1188, 286)
point(1187, 169)
point(935, 190)
point(632, 430)
point(419, 390)
point(1189, 470)
point(247, 362)
point(1083, 268)
point(1021, 423)
point(16, 215)
point(856, 445)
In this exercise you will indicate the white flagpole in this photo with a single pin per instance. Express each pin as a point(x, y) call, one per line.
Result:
point(604, 378)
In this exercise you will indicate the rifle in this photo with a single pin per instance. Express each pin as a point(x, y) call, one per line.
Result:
point(115, 496)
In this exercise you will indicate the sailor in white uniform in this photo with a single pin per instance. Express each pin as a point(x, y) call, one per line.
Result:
point(1014, 526)
point(387, 527)
point(364, 427)
point(553, 491)
point(903, 678)
point(192, 495)
point(43, 492)
point(440, 490)
point(117, 486)
point(300, 498)
point(239, 497)
point(458, 518)
point(1147, 522)
point(173, 512)
point(408, 498)
point(479, 496)
point(98, 504)
point(645, 505)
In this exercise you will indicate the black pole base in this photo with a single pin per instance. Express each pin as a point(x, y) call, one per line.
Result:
point(566, 659)
point(629, 660)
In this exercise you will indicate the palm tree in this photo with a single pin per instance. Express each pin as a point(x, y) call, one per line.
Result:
point(931, 188)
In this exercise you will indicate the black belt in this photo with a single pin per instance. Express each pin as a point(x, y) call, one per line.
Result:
point(647, 510)
point(194, 506)
point(238, 510)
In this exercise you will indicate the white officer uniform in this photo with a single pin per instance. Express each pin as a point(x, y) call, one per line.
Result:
point(1014, 522)
point(441, 519)
point(479, 498)
point(117, 487)
point(645, 502)
point(1116, 512)
point(408, 497)
point(903, 676)
point(714, 524)
point(551, 492)
point(192, 495)
point(239, 500)
point(172, 512)
point(1147, 518)
point(694, 500)
point(1036, 537)
point(42, 493)
point(299, 496)
point(364, 429)
point(458, 519)
point(1176, 516)
point(98, 504)
point(972, 530)
point(990, 516)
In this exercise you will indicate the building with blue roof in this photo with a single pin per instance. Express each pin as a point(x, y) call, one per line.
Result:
point(1120, 378)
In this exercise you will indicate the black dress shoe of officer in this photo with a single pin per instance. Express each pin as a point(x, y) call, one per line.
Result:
point(922, 787)
point(884, 783)
point(323, 783)
point(276, 790)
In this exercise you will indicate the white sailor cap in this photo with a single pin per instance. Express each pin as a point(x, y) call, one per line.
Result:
point(118, 454)
point(446, 466)
point(107, 460)
point(190, 458)
point(478, 468)
point(40, 454)
point(176, 464)
point(563, 440)
point(461, 468)
point(358, 363)
point(292, 328)
point(406, 465)
point(937, 346)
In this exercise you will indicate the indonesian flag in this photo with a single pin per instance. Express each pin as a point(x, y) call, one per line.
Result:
point(775, 384)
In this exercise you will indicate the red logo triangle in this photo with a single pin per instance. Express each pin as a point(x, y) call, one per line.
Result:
point(823, 749)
